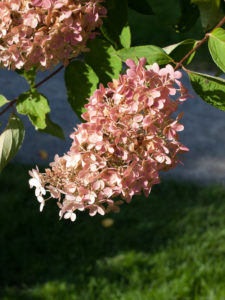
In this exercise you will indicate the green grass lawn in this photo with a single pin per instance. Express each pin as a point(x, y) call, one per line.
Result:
point(168, 247)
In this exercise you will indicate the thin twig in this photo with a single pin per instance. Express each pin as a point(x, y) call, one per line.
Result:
point(12, 102)
point(49, 76)
point(8, 106)
point(179, 64)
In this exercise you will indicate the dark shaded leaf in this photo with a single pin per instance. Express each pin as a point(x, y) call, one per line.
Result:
point(189, 16)
point(81, 81)
point(143, 7)
point(222, 3)
point(52, 128)
point(179, 50)
point(167, 11)
point(218, 73)
point(103, 60)
point(115, 22)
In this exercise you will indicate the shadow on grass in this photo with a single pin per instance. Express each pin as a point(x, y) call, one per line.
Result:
point(174, 232)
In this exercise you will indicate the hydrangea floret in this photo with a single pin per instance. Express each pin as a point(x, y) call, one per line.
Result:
point(128, 137)
point(42, 33)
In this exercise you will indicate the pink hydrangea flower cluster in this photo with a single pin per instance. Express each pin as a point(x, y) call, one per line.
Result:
point(129, 136)
point(43, 33)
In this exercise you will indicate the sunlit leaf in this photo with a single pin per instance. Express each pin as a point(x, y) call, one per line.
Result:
point(3, 100)
point(35, 106)
point(210, 89)
point(151, 53)
point(217, 47)
point(125, 37)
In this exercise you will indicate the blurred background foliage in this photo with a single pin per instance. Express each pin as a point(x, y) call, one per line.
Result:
point(148, 29)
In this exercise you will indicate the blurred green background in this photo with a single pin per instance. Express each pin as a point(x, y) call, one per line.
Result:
point(168, 247)
point(148, 29)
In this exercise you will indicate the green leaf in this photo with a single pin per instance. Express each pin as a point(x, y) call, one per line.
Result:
point(125, 37)
point(179, 50)
point(81, 81)
point(35, 106)
point(52, 128)
point(30, 75)
point(143, 7)
point(11, 140)
point(151, 53)
point(217, 47)
point(209, 12)
point(210, 89)
point(3, 100)
point(103, 60)
point(115, 22)
point(188, 17)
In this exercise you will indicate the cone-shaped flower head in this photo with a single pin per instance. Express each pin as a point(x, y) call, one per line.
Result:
point(129, 136)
